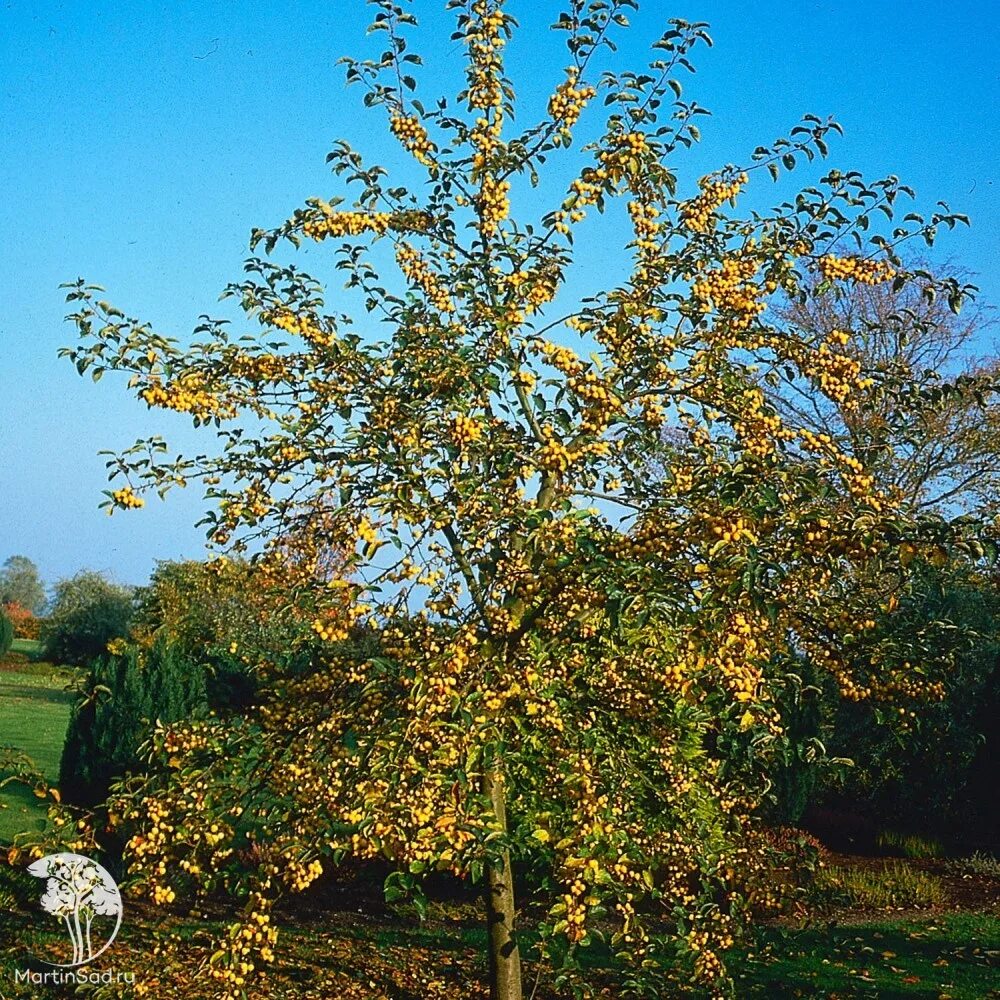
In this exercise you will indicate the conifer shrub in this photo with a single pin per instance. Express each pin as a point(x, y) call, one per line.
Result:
point(128, 692)
point(6, 633)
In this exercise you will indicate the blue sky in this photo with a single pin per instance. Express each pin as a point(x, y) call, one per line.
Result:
point(141, 142)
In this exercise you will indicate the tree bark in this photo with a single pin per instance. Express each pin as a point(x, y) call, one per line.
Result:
point(505, 959)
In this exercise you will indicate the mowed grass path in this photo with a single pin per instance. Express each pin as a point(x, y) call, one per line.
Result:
point(34, 712)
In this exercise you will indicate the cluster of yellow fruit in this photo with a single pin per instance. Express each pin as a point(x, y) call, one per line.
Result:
point(420, 275)
point(126, 499)
point(600, 404)
point(410, 131)
point(541, 288)
point(290, 453)
point(567, 103)
point(707, 964)
point(645, 226)
point(836, 374)
point(622, 335)
point(758, 433)
point(300, 325)
point(300, 876)
point(192, 738)
point(849, 684)
point(465, 430)
point(331, 629)
point(654, 413)
point(585, 190)
point(187, 394)
point(486, 39)
point(553, 455)
point(332, 223)
point(260, 367)
point(757, 427)
point(163, 895)
point(682, 479)
point(904, 683)
point(623, 156)
point(855, 478)
point(817, 443)
point(366, 532)
point(580, 874)
point(729, 529)
point(563, 358)
point(737, 654)
point(253, 505)
point(731, 289)
point(863, 270)
point(253, 938)
point(493, 203)
point(578, 611)
point(697, 213)
point(158, 831)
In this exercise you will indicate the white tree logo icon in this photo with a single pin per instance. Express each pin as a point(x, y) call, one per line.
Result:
point(78, 891)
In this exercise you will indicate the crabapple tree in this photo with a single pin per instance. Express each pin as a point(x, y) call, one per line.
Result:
point(544, 661)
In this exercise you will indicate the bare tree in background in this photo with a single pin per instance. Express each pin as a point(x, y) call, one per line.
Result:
point(931, 425)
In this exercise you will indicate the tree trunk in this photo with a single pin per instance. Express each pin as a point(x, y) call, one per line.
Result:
point(505, 959)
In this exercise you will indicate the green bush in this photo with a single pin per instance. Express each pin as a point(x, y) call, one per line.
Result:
point(87, 613)
point(127, 694)
point(6, 634)
point(928, 766)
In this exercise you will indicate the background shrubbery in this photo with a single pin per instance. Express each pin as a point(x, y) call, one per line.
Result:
point(88, 611)
point(218, 615)
point(26, 625)
point(923, 767)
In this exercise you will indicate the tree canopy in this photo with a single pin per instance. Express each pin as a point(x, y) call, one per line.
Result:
point(20, 583)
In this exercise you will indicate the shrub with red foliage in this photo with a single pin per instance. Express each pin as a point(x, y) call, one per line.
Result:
point(26, 625)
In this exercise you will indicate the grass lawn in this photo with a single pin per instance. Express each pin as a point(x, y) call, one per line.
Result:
point(30, 647)
point(954, 955)
point(34, 712)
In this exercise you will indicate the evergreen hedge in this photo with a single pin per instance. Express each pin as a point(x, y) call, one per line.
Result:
point(127, 693)
point(6, 633)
